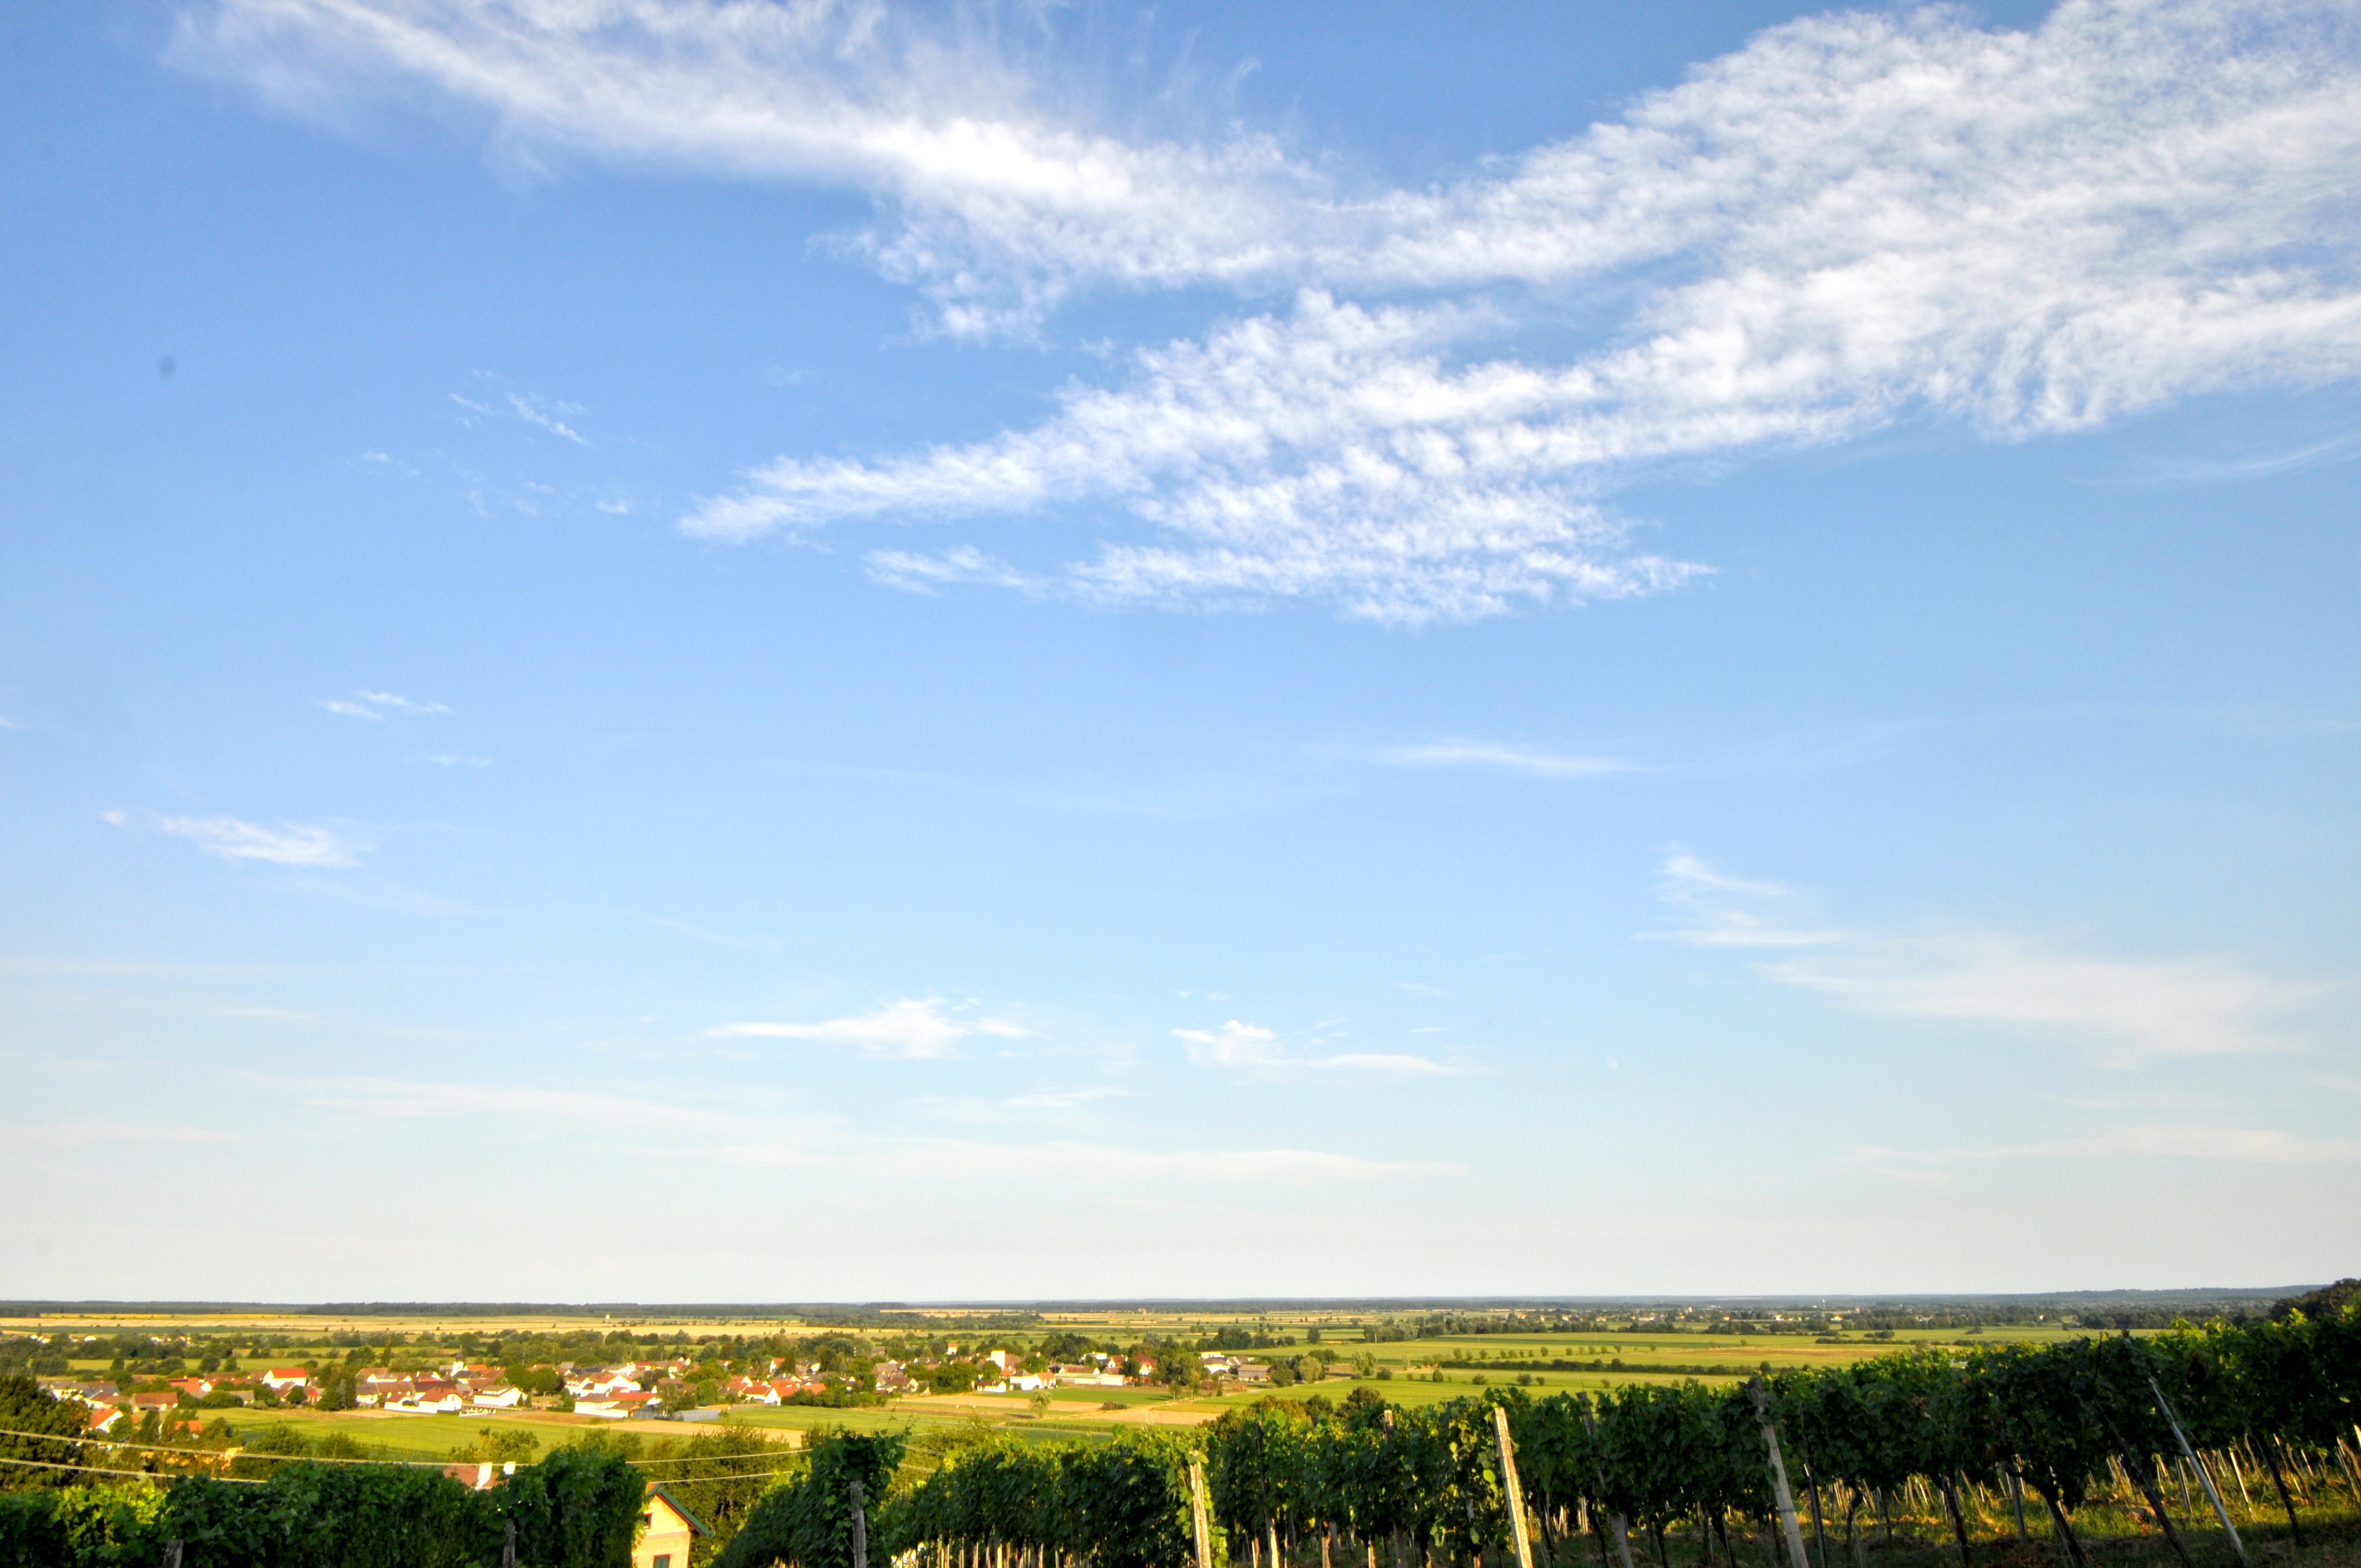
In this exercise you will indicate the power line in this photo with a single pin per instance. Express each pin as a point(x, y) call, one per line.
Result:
point(438, 1464)
point(101, 1470)
point(243, 1453)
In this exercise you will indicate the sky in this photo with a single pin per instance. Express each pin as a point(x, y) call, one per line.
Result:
point(831, 649)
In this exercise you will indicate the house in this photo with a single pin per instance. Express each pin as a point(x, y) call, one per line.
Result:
point(1026, 1383)
point(1253, 1371)
point(376, 1386)
point(600, 1381)
point(501, 1397)
point(285, 1377)
point(194, 1388)
point(614, 1407)
point(480, 1477)
point(102, 1421)
point(144, 1402)
point(893, 1379)
point(667, 1531)
point(431, 1398)
point(753, 1391)
point(998, 1358)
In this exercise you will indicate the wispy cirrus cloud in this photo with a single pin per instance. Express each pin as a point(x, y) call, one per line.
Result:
point(1129, 1164)
point(2253, 1145)
point(1254, 1050)
point(751, 1141)
point(377, 707)
point(1065, 1099)
point(1857, 219)
point(1495, 757)
point(2122, 1010)
point(232, 839)
point(530, 410)
point(105, 1133)
point(398, 1100)
point(916, 1028)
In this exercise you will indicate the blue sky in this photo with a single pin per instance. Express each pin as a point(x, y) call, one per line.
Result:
point(677, 650)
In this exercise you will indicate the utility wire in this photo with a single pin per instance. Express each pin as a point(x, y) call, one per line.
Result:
point(438, 1463)
point(100, 1470)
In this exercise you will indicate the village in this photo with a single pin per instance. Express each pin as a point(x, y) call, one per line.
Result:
point(679, 1389)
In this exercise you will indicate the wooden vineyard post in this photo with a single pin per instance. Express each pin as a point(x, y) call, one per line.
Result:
point(1197, 1512)
point(860, 1529)
point(1779, 1489)
point(2205, 1477)
point(1516, 1492)
point(1622, 1530)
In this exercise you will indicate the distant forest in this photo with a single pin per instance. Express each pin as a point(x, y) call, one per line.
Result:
point(1404, 1317)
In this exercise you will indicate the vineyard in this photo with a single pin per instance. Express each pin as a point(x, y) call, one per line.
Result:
point(2195, 1433)
point(2229, 1444)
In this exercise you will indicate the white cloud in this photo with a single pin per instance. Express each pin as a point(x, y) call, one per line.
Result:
point(1723, 911)
point(914, 1028)
point(922, 574)
point(1064, 1099)
point(2259, 1145)
point(1336, 456)
point(101, 1133)
point(289, 843)
point(532, 413)
point(377, 705)
point(2121, 1010)
point(387, 1099)
point(1109, 1162)
point(2124, 1009)
point(751, 1141)
point(1857, 219)
point(1505, 759)
point(1251, 1048)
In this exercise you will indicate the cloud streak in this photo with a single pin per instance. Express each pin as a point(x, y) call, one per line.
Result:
point(2122, 1011)
point(289, 844)
point(1496, 757)
point(1857, 219)
point(751, 1142)
point(1252, 1049)
point(377, 707)
point(2255, 1146)
point(914, 1028)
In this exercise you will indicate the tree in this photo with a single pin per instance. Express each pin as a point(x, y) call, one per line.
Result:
point(25, 1406)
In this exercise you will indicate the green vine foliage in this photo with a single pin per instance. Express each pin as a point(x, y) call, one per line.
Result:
point(1119, 1504)
point(575, 1510)
point(807, 1520)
